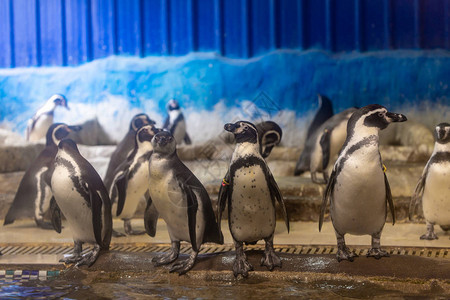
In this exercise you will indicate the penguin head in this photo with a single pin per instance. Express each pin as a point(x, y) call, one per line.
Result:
point(243, 131)
point(59, 131)
point(373, 116)
point(68, 145)
point(269, 136)
point(140, 120)
point(164, 143)
point(173, 105)
point(59, 100)
point(442, 133)
point(146, 133)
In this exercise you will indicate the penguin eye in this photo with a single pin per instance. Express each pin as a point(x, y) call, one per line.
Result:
point(381, 115)
point(245, 127)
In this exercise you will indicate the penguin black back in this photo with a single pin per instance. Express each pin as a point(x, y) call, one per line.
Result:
point(324, 113)
point(31, 196)
point(125, 146)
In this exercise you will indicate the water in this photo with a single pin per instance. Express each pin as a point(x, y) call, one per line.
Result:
point(76, 284)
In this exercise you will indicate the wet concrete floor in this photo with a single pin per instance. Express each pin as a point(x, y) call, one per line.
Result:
point(129, 275)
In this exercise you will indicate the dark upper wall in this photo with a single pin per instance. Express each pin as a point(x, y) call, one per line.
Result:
point(71, 32)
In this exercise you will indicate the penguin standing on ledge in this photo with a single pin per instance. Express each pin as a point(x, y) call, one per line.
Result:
point(358, 188)
point(125, 147)
point(175, 123)
point(433, 188)
point(79, 193)
point(328, 140)
point(33, 195)
point(131, 178)
point(324, 112)
point(182, 201)
point(38, 125)
point(250, 191)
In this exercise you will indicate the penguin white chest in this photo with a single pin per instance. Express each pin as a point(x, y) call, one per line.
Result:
point(358, 203)
point(170, 202)
point(73, 205)
point(436, 195)
point(41, 126)
point(136, 188)
point(180, 131)
point(252, 213)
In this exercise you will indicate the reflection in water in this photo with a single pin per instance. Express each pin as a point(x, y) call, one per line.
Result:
point(142, 286)
point(15, 289)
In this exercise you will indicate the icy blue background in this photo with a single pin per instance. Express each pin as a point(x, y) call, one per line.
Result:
point(201, 81)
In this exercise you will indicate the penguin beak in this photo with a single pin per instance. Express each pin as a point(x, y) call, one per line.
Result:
point(393, 117)
point(74, 128)
point(230, 127)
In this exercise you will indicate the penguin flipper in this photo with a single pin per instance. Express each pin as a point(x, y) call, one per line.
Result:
point(325, 144)
point(187, 139)
point(389, 198)
point(275, 192)
point(96, 206)
point(417, 196)
point(55, 213)
point(192, 207)
point(222, 198)
point(326, 196)
point(121, 186)
point(150, 216)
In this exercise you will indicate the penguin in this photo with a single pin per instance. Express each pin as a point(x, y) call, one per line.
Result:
point(33, 196)
point(131, 178)
point(182, 201)
point(324, 112)
point(269, 135)
point(38, 125)
point(175, 123)
point(79, 193)
point(250, 191)
point(125, 147)
point(328, 140)
point(433, 188)
point(358, 188)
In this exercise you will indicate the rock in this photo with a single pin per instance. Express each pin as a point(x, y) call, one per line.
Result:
point(92, 133)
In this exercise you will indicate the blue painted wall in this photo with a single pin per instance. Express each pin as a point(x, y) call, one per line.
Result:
point(71, 32)
point(114, 58)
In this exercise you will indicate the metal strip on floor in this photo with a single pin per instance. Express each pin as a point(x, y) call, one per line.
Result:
point(59, 249)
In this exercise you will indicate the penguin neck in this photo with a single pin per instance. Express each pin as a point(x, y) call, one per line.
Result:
point(246, 149)
point(363, 132)
point(144, 147)
point(164, 156)
point(48, 108)
point(438, 147)
point(173, 114)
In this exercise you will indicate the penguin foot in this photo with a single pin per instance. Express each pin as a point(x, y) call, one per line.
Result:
point(345, 254)
point(74, 258)
point(129, 230)
point(164, 259)
point(241, 266)
point(430, 235)
point(118, 234)
point(270, 260)
point(377, 253)
point(88, 259)
point(182, 267)
point(45, 225)
point(134, 232)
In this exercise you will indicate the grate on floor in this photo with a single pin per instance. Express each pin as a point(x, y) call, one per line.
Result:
point(58, 249)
